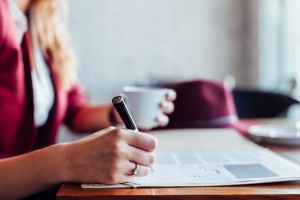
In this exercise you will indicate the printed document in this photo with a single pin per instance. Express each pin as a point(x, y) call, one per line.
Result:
point(211, 157)
point(214, 168)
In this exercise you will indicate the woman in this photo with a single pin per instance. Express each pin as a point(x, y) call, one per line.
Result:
point(38, 92)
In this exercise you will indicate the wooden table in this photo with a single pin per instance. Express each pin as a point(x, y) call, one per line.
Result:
point(206, 140)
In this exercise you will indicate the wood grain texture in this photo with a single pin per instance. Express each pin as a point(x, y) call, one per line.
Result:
point(288, 190)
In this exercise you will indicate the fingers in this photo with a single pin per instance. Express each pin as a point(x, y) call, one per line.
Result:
point(142, 157)
point(137, 155)
point(141, 140)
point(162, 120)
point(171, 95)
point(112, 160)
point(138, 170)
point(167, 107)
point(141, 147)
point(131, 168)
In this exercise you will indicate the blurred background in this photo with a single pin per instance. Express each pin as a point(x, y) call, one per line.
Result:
point(252, 43)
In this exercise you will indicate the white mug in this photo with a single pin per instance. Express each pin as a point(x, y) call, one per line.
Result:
point(144, 104)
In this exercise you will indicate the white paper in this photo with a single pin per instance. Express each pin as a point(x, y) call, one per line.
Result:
point(214, 168)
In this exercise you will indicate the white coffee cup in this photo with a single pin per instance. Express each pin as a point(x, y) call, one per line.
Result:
point(144, 104)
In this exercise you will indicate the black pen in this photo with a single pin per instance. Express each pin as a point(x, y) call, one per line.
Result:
point(123, 111)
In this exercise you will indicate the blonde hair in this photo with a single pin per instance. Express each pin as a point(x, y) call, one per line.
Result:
point(54, 38)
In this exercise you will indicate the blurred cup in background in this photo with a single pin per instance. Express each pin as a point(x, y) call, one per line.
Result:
point(144, 104)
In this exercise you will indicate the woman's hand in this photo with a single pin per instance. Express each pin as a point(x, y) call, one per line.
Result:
point(109, 156)
point(167, 107)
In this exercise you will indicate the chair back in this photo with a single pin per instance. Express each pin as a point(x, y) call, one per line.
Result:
point(261, 104)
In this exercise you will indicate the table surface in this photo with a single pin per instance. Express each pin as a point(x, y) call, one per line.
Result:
point(170, 140)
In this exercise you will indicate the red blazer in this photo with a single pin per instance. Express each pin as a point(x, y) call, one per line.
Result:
point(18, 133)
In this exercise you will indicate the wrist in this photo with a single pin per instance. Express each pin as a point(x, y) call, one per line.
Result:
point(64, 174)
point(48, 170)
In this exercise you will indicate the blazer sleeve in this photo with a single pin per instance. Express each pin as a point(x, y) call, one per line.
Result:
point(76, 100)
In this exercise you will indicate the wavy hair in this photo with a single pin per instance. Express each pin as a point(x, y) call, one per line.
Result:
point(54, 38)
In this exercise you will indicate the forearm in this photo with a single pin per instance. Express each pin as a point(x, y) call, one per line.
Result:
point(107, 156)
point(30, 173)
point(93, 118)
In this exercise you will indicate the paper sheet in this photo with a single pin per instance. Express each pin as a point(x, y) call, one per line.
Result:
point(214, 168)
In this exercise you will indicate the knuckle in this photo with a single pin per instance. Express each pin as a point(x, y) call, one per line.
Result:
point(113, 175)
point(116, 151)
point(110, 128)
point(117, 140)
point(115, 146)
point(118, 134)
point(111, 179)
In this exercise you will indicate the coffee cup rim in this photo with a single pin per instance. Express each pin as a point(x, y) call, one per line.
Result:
point(142, 88)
